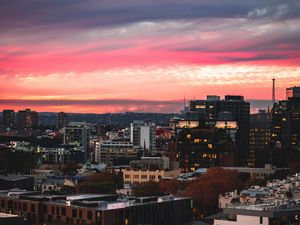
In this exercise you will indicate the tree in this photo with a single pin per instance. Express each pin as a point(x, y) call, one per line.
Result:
point(174, 187)
point(206, 189)
point(70, 168)
point(102, 183)
point(147, 189)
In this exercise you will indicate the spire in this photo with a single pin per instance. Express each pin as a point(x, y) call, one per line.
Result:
point(273, 91)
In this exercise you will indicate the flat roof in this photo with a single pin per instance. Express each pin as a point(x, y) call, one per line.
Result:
point(14, 177)
point(4, 215)
point(87, 196)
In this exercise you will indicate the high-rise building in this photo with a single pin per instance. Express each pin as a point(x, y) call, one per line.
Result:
point(27, 119)
point(77, 136)
point(8, 118)
point(240, 111)
point(259, 139)
point(205, 143)
point(62, 120)
point(142, 135)
point(233, 108)
point(286, 119)
point(293, 92)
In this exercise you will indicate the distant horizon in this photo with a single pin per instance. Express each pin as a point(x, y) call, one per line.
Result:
point(142, 106)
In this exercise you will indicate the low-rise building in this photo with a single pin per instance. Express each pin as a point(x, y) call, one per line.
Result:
point(149, 169)
point(258, 173)
point(278, 203)
point(98, 209)
point(10, 219)
point(144, 176)
point(109, 151)
point(16, 181)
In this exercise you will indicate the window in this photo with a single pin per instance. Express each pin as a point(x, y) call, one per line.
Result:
point(260, 220)
point(80, 214)
point(24, 207)
point(74, 213)
point(98, 214)
point(152, 177)
point(63, 211)
point(90, 215)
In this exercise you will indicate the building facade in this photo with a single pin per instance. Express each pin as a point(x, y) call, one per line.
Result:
point(110, 151)
point(27, 119)
point(143, 135)
point(98, 209)
point(286, 120)
point(77, 136)
point(8, 119)
point(62, 120)
point(259, 139)
point(214, 128)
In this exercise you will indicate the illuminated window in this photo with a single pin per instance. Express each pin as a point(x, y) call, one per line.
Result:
point(210, 146)
point(197, 140)
point(200, 106)
point(188, 136)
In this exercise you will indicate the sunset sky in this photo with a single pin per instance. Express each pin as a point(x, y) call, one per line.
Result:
point(135, 55)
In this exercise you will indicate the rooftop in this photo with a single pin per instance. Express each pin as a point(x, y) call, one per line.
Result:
point(5, 215)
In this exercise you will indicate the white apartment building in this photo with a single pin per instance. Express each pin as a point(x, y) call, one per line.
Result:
point(142, 135)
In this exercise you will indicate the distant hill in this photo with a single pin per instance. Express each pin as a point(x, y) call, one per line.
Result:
point(121, 119)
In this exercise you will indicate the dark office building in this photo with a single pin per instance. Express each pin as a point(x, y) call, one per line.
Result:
point(205, 144)
point(240, 111)
point(232, 108)
point(27, 119)
point(293, 92)
point(286, 120)
point(259, 139)
point(62, 120)
point(8, 119)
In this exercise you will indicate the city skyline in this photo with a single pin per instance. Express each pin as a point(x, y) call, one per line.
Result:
point(91, 57)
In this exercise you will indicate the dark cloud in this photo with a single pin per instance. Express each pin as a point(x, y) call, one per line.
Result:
point(282, 10)
point(259, 57)
point(91, 13)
